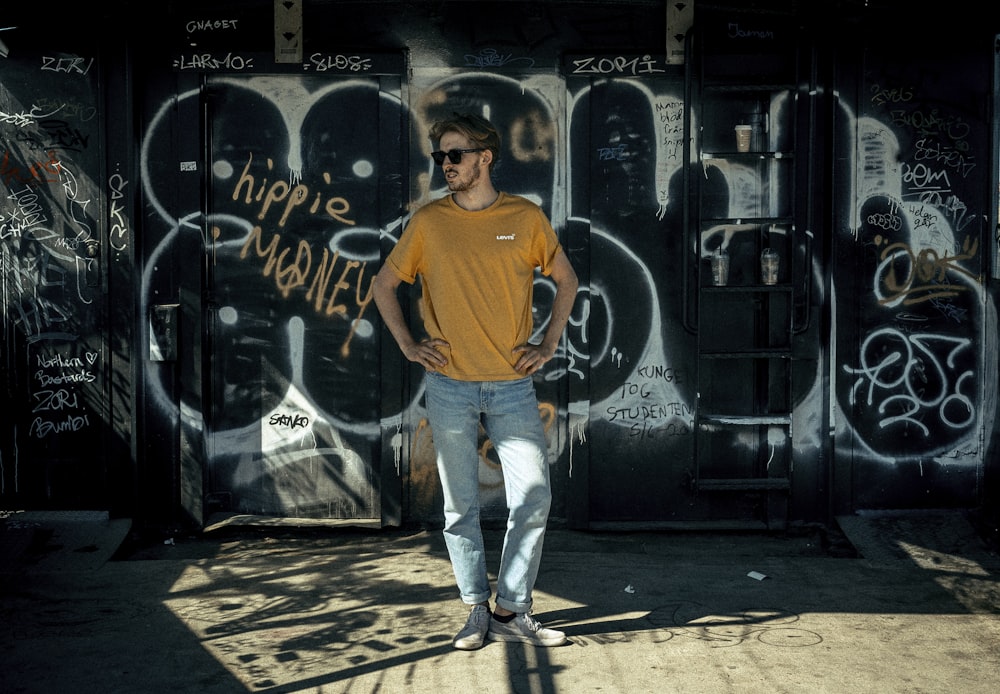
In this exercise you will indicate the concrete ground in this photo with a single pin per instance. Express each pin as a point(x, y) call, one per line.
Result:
point(883, 603)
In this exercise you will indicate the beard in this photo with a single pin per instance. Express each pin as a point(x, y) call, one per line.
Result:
point(460, 183)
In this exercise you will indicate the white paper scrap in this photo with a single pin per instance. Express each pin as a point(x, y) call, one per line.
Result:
point(629, 588)
point(756, 575)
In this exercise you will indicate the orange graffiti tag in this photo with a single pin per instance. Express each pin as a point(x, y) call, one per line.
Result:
point(922, 276)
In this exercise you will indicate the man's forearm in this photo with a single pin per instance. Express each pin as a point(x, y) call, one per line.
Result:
point(562, 307)
point(392, 314)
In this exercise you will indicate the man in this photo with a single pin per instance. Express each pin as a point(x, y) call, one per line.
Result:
point(476, 252)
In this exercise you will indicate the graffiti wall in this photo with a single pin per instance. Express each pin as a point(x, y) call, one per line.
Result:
point(228, 320)
point(916, 370)
point(300, 173)
point(53, 239)
point(627, 131)
point(306, 412)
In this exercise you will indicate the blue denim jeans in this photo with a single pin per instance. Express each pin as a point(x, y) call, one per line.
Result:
point(509, 413)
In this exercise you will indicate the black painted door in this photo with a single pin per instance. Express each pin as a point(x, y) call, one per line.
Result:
point(53, 249)
point(297, 199)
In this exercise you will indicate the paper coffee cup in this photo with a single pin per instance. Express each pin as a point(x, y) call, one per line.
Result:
point(743, 138)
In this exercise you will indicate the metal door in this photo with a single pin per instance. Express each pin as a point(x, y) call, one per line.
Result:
point(53, 249)
point(630, 123)
point(301, 174)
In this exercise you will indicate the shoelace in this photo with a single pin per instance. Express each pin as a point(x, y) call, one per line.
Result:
point(477, 617)
point(531, 622)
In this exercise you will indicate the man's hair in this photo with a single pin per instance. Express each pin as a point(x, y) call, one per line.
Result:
point(479, 131)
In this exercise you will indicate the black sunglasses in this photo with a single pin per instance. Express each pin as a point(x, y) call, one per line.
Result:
point(454, 155)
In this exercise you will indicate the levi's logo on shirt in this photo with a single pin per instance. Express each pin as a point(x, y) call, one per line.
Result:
point(505, 237)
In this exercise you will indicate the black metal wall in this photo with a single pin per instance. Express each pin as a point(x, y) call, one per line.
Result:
point(57, 365)
point(912, 264)
point(200, 292)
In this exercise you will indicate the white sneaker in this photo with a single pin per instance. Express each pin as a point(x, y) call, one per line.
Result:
point(526, 629)
point(473, 633)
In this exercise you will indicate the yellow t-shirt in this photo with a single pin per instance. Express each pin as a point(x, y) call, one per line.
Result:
point(477, 271)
